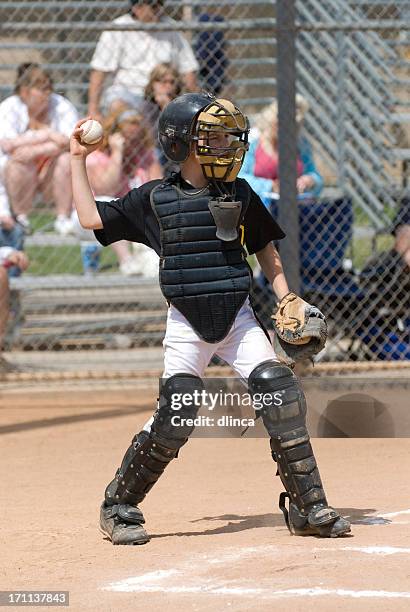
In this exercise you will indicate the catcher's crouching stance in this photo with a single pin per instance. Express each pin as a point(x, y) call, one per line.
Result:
point(198, 221)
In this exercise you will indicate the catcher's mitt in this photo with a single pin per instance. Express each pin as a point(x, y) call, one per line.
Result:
point(300, 329)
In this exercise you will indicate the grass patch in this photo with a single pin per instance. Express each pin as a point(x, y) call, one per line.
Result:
point(46, 260)
point(54, 260)
point(363, 249)
point(65, 260)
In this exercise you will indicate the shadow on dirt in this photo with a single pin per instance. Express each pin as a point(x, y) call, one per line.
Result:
point(65, 420)
point(363, 516)
point(235, 522)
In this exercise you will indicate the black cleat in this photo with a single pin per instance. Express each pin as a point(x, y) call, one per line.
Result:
point(123, 524)
point(321, 521)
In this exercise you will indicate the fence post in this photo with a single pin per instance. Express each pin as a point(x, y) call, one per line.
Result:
point(287, 138)
point(341, 57)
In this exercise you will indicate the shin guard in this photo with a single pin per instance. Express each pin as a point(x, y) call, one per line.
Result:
point(285, 421)
point(151, 452)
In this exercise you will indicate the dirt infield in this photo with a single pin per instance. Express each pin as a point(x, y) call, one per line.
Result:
point(218, 540)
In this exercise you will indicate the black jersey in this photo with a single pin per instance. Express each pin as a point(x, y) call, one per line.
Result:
point(132, 218)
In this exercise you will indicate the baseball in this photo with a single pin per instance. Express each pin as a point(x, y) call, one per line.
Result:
point(92, 132)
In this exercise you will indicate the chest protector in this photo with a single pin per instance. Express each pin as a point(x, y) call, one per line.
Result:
point(207, 279)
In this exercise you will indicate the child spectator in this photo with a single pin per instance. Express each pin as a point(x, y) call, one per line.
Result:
point(125, 160)
point(163, 86)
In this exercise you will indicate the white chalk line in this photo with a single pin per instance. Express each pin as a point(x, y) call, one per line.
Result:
point(384, 518)
point(379, 550)
point(390, 514)
point(369, 550)
point(173, 581)
point(149, 583)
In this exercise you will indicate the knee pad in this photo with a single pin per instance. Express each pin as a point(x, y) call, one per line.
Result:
point(276, 390)
point(178, 405)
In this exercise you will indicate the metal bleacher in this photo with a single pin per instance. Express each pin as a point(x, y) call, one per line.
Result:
point(73, 312)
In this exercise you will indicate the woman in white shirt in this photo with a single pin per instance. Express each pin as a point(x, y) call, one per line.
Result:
point(35, 125)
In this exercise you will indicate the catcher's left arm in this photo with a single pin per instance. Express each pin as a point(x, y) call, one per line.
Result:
point(270, 262)
point(300, 328)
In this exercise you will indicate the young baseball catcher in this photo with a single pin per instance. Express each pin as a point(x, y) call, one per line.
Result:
point(199, 221)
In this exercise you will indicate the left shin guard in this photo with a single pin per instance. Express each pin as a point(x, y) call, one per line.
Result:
point(150, 452)
point(285, 421)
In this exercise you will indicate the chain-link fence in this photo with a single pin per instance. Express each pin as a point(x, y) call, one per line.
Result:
point(352, 67)
point(344, 161)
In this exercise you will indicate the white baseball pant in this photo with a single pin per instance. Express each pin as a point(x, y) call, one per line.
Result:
point(245, 346)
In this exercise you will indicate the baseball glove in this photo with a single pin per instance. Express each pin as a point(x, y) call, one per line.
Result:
point(300, 329)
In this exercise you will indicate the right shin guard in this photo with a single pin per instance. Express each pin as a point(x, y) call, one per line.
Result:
point(150, 452)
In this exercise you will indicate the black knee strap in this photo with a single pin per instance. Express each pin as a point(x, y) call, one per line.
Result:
point(150, 453)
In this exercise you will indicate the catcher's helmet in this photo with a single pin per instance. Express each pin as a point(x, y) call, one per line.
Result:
point(218, 127)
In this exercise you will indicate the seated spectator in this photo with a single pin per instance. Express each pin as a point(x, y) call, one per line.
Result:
point(402, 244)
point(402, 231)
point(131, 56)
point(11, 232)
point(125, 160)
point(35, 125)
point(163, 86)
point(261, 165)
point(8, 258)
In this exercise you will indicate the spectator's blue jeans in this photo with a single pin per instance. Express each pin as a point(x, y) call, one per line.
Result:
point(13, 238)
